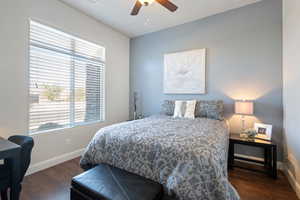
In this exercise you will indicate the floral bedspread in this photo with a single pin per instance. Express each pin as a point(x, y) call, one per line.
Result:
point(187, 156)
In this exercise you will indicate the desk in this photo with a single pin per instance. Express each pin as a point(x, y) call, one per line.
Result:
point(11, 152)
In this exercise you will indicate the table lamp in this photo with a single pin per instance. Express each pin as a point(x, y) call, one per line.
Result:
point(244, 108)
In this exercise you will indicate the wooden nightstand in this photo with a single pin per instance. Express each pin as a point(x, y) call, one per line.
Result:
point(270, 154)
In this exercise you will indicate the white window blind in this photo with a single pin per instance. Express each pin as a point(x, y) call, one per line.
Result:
point(66, 80)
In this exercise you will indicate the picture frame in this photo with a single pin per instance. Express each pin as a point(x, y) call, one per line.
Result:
point(184, 72)
point(264, 131)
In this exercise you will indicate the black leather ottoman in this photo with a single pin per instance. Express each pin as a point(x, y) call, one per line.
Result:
point(105, 182)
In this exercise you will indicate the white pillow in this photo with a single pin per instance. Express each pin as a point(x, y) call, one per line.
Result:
point(178, 109)
point(190, 109)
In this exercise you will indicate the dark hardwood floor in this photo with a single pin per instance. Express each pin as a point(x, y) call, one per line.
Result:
point(54, 184)
point(256, 186)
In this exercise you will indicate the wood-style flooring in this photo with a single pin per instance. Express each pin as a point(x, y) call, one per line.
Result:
point(54, 184)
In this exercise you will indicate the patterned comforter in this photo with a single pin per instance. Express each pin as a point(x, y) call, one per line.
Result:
point(188, 157)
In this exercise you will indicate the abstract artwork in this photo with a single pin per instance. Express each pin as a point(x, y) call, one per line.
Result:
point(184, 72)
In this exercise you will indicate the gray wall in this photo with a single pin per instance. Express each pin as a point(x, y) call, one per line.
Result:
point(244, 61)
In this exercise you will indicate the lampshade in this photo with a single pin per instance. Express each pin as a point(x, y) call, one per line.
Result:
point(244, 107)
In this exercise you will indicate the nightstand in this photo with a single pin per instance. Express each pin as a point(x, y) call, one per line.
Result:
point(270, 154)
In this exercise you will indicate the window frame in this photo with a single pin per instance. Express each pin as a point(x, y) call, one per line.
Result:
point(70, 125)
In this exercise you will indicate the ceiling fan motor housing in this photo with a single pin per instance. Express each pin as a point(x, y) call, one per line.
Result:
point(146, 2)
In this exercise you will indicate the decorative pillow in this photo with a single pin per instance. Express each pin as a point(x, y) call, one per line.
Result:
point(210, 109)
point(168, 107)
point(178, 109)
point(190, 109)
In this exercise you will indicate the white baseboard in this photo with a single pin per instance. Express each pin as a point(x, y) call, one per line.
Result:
point(280, 165)
point(54, 161)
point(294, 183)
point(292, 172)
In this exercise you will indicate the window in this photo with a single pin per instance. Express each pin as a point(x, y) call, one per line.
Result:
point(66, 80)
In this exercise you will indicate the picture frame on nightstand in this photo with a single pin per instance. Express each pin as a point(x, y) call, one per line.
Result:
point(264, 131)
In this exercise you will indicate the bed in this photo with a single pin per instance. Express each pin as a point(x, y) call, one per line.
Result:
point(187, 156)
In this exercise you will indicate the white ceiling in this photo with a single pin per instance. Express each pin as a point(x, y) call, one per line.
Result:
point(116, 13)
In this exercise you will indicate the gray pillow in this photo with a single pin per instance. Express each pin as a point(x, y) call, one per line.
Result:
point(206, 109)
point(167, 108)
point(210, 109)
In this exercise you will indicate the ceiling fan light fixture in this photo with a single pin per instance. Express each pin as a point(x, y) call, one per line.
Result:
point(146, 2)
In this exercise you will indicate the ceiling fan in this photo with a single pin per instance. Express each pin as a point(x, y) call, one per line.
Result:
point(165, 3)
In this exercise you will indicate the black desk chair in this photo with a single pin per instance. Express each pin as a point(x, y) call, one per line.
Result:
point(26, 144)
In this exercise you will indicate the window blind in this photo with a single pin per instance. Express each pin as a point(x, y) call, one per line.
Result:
point(67, 80)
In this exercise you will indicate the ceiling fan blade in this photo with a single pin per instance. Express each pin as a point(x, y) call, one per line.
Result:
point(136, 8)
point(168, 5)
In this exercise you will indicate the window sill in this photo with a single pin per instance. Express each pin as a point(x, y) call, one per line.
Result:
point(64, 128)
